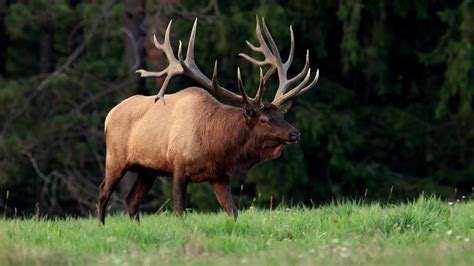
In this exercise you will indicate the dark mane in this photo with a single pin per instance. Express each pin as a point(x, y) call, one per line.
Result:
point(224, 136)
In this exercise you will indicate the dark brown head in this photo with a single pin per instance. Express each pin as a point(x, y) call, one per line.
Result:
point(270, 132)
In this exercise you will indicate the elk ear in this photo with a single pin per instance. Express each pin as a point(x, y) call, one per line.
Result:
point(285, 107)
point(248, 112)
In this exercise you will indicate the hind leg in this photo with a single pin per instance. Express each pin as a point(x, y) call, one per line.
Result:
point(142, 186)
point(112, 178)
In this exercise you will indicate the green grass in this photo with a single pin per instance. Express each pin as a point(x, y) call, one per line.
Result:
point(425, 232)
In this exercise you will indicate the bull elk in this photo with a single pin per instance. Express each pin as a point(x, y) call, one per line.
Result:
point(195, 138)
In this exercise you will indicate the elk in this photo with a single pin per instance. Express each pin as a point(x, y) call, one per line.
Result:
point(193, 137)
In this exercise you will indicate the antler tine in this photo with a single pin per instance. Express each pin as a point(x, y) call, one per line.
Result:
point(269, 73)
point(180, 54)
point(242, 89)
point(189, 64)
point(288, 62)
point(273, 46)
point(215, 83)
point(156, 42)
point(253, 60)
point(259, 96)
point(253, 47)
point(192, 38)
point(166, 40)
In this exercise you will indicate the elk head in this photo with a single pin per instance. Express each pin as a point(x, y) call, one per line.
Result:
point(266, 122)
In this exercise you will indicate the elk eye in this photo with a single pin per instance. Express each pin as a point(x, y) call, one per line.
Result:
point(264, 120)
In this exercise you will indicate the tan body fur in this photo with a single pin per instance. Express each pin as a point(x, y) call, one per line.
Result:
point(164, 137)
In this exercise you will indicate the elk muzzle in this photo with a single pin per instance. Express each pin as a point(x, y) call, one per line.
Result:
point(294, 135)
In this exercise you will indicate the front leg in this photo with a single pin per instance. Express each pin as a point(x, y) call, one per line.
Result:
point(180, 184)
point(224, 196)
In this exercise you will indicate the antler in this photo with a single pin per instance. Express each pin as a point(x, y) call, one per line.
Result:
point(187, 67)
point(257, 101)
point(273, 58)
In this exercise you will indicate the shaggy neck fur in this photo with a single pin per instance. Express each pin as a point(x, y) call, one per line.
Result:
point(228, 140)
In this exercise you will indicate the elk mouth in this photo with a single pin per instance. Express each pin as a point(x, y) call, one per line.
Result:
point(278, 143)
point(272, 149)
point(273, 144)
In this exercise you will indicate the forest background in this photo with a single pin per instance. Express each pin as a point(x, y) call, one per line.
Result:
point(390, 118)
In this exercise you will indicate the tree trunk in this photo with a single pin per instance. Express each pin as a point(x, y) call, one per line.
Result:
point(3, 38)
point(46, 43)
point(46, 51)
point(134, 38)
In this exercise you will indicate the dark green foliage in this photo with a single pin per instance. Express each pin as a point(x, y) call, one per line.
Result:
point(390, 118)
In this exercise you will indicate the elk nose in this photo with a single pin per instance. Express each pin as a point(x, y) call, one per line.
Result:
point(295, 135)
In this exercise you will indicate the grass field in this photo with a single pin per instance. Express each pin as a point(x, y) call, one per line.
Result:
point(425, 232)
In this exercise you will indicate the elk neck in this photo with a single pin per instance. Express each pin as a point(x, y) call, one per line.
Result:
point(227, 139)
